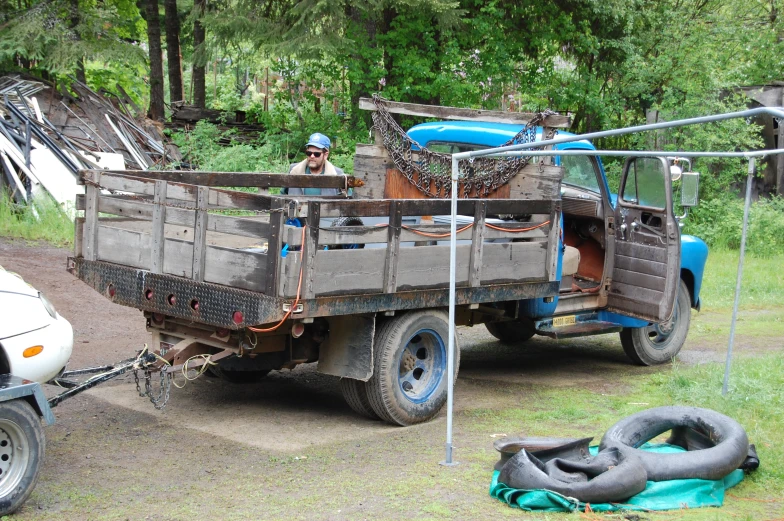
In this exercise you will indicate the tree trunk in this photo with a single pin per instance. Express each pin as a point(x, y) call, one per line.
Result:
point(74, 22)
point(173, 53)
point(152, 16)
point(199, 73)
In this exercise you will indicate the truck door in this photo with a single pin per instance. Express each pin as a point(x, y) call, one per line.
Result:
point(646, 264)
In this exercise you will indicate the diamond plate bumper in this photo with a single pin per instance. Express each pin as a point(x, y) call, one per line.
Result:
point(200, 302)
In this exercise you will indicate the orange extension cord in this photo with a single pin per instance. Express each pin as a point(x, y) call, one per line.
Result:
point(296, 300)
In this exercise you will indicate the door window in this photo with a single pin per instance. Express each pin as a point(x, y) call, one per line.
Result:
point(645, 183)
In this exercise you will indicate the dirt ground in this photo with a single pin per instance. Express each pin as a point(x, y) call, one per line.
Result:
point(288, 447)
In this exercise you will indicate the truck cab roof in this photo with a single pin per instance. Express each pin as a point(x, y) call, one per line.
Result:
point(462, 136)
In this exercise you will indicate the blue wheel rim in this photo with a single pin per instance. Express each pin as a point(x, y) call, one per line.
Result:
point(421, 366)
point(659, 336)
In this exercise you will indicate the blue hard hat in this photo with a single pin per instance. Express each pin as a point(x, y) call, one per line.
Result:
point(319, 140)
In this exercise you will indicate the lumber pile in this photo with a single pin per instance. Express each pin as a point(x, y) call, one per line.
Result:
point(47, 135)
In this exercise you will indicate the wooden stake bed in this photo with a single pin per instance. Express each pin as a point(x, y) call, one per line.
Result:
point(182, 226)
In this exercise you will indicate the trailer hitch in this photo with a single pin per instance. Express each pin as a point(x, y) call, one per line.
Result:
point(105, 373)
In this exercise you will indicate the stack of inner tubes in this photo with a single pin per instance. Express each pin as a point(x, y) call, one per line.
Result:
point(715, 446)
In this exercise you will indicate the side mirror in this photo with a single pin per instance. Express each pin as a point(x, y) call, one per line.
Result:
point(690, 188)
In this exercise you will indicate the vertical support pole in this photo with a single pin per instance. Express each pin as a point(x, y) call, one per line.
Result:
point(158, 222)
point(477, 243)
point(450, 366)
point(92, 193)
point(311, 247)
point(780, 158)
point(200, 234)
point(274, 245)
point(393, 246)
point(746, 208)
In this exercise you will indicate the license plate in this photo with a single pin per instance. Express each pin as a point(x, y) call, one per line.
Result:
point(564, 321)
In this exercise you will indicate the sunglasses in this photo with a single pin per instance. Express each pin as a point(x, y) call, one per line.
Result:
point(314, 154)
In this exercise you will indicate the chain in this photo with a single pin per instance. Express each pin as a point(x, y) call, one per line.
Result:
point(430, 170)
point(169, 204)
point(160, 400)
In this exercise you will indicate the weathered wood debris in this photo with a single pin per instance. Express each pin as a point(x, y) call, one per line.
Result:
point(48, 134)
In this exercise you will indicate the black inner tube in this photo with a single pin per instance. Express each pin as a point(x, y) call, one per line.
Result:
point(722, 442)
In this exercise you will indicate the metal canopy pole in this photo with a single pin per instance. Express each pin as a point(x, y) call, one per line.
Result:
point(524, 149)
point(450, 367)
point(746, 207)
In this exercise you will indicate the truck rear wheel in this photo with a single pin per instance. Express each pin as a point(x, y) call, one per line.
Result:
point(355, 394)
point(409, 382)
point(659, 343)
point(511, 331)
point(22, 445)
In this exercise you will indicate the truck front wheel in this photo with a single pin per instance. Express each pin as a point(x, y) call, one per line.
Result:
point(22, 445)
point(659, 343)
point(409, 382)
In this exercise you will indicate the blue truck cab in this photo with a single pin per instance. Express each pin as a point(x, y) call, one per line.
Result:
point(623, 264)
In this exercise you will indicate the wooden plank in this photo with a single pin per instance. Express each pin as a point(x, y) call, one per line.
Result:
point(553, 243)
point(200, 234)
point(397, 186)
point(114, 182)
point(244, 179)
point(311, 248)
point(78, 236)
point(477, 243)
point(393, 246)
point(341, 235)
point(380, 208)
point(274, 245)
point(91, 215)
point(186, 192)
point(158, 220)
point(135, 209)
point(371, 163)
point(346, 272)
point(226, 266)
point(455, 113)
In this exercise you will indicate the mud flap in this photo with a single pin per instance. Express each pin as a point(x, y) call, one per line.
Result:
point(348, 350)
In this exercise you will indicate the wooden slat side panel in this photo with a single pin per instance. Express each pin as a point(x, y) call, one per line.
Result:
point(345, 272)
point(236, 268)
point(185, 192)
point(246, 227)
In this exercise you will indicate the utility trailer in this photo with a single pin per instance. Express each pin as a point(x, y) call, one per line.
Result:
point(251, 282)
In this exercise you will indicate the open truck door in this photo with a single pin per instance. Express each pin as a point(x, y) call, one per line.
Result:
point(647, 242)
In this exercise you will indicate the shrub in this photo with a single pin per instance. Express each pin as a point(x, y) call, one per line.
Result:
point(719, 222)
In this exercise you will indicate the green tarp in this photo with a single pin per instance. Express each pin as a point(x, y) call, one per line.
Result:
point(661, 495)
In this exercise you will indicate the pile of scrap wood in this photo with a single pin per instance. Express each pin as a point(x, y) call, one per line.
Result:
point(47, 136)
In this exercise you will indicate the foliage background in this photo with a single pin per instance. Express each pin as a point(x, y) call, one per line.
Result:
point(608, 63)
